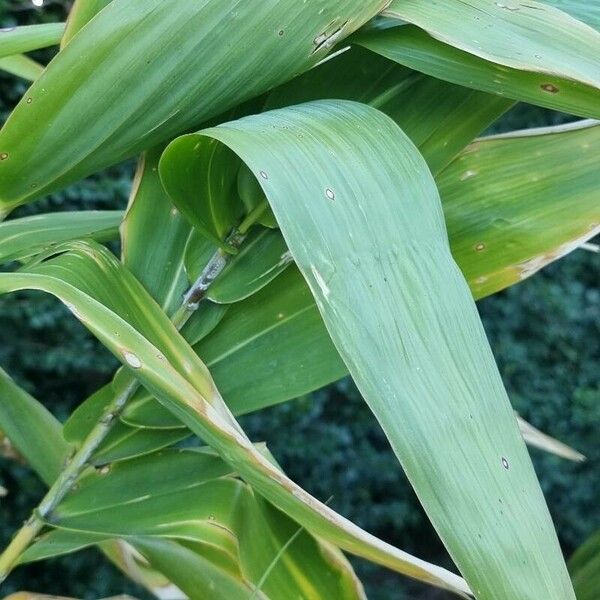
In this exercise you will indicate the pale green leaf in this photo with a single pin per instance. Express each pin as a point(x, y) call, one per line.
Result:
point(17, 40)
point(528, 36)
point(21, 66)
point(516, 202)
point(415, 48)
point(440, 118)
point(367, 230)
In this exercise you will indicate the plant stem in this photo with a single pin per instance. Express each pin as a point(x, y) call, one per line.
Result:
point(66, 480)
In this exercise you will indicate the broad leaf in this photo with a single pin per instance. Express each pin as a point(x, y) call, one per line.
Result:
point(516, 202)
point(529, 37)
point(362, 217)
point(186, 495)
point(440, 118)
point(153, 69)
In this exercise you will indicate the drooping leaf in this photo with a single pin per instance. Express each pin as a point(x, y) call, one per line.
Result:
point(531, 37)
point(153, 69)
point(440, 118)
point(117, 310)
point(22, 238)
point(17, 40)
point(21, 66)
point(367, 231)
point(415, 48)
point(584, 567)
point(514, 203)
point(33, 431)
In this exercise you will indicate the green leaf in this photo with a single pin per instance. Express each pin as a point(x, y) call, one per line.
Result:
point(402, 317)
point(81, 13)
point(414, 48)
point(153, 69)
point(187, 494)
point(21, 66)
point(207, 196)
point(106, 298)
point(31, 429)
point(228, 532)
point(516, 202)
point(528, 37)
point(587, 11)
point(17, 40)
point(154, 236)
point(585, 568)
point(547, 209)
point(440, 118)
point(23, 238)
point(263, 256)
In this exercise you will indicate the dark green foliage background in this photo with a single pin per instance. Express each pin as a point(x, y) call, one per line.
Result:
point(545, 334)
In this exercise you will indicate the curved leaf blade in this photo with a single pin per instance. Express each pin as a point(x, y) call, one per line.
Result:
point(153, 69)
point(17, 40)
point(531, 37)
point(23, 238)
point(409, 353)
point(413, 47)
point(515, 203)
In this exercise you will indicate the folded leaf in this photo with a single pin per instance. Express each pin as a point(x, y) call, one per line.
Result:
point(81, 12)
point(416, 49)
point(153, 69)
point(363, 220)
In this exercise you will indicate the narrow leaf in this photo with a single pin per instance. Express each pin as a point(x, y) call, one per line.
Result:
point(17, 40)
point(22, 238)
point(21, 66)
point(31, 429)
